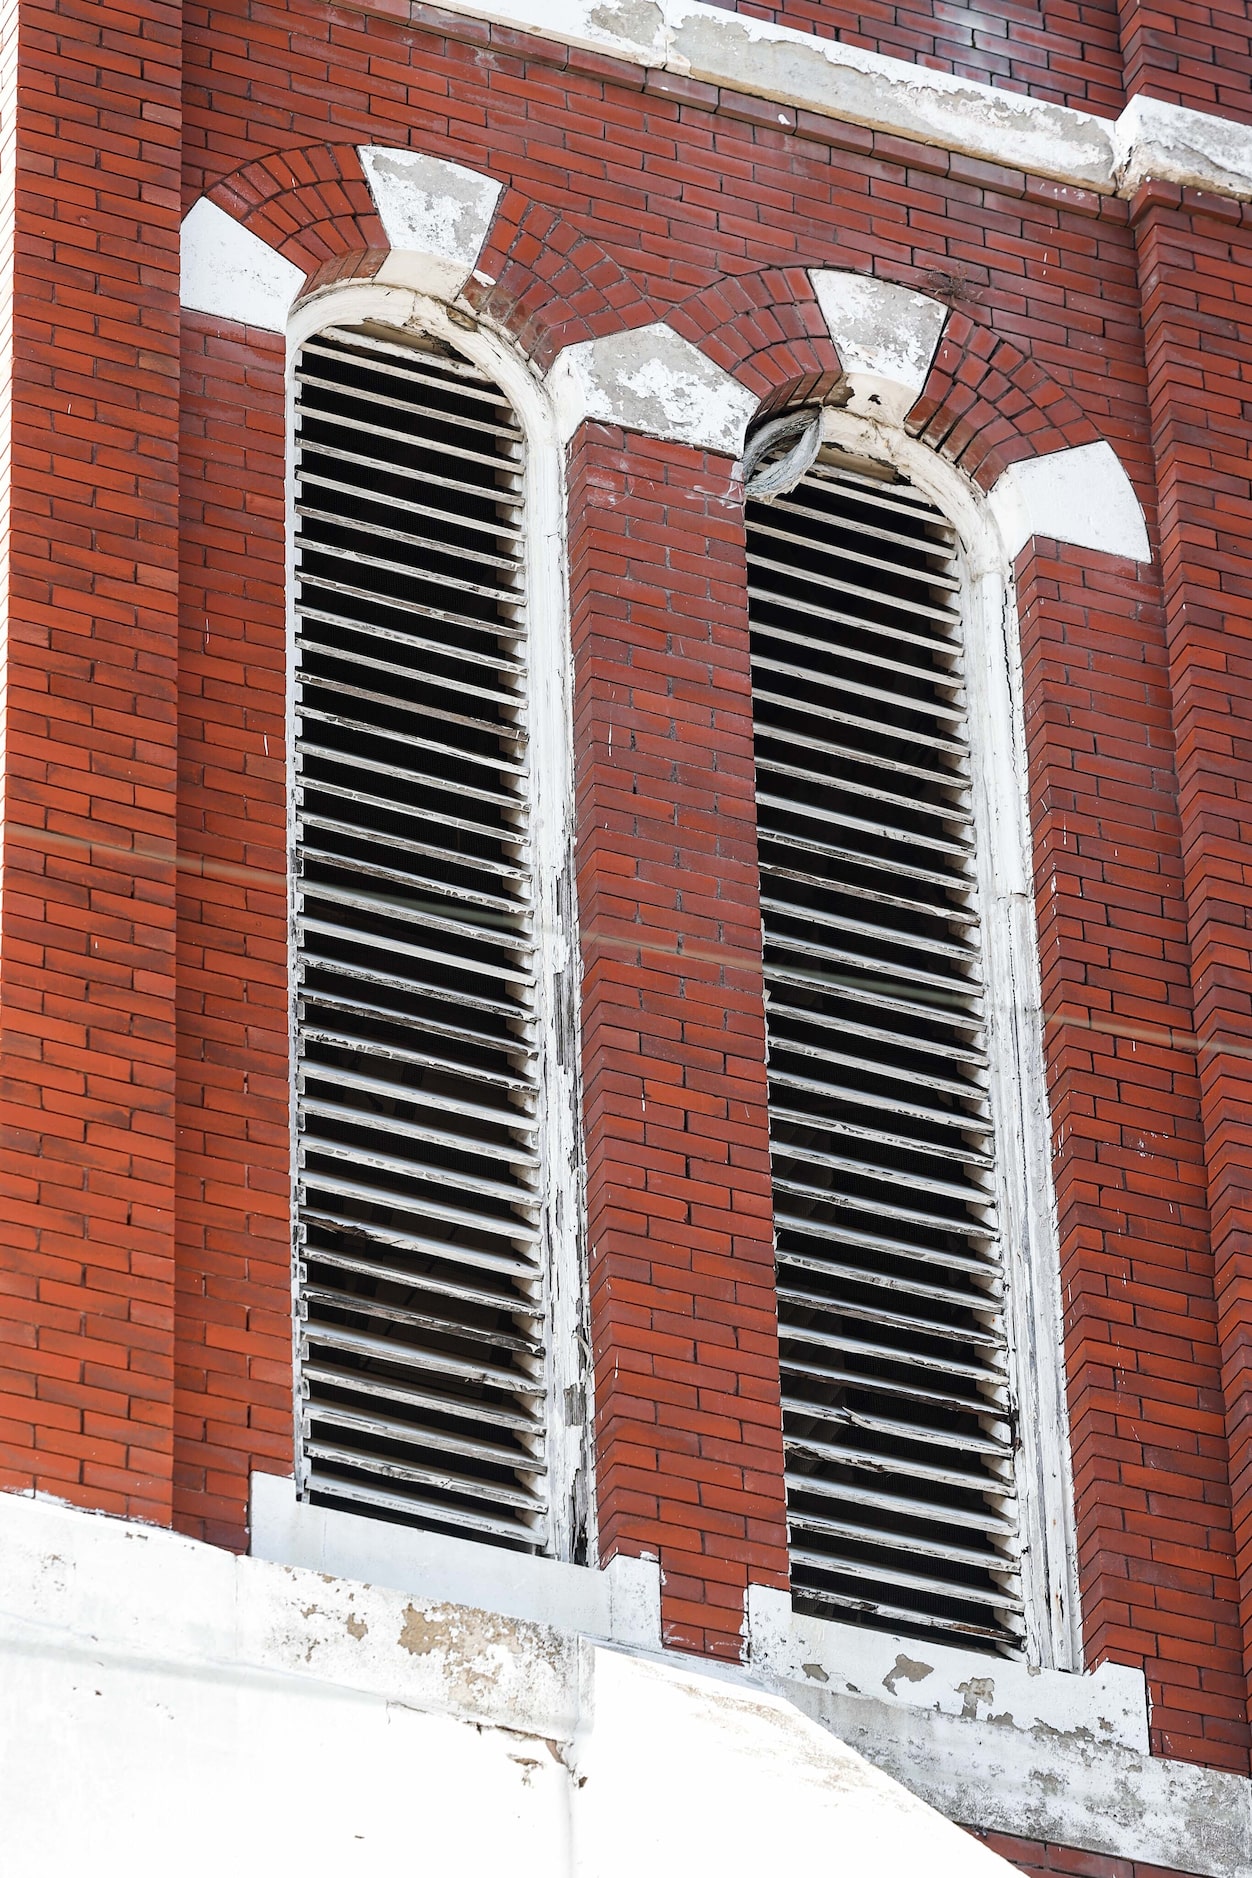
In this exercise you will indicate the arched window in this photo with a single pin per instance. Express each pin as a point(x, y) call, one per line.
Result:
point(436, 1275)
point(896, 1096)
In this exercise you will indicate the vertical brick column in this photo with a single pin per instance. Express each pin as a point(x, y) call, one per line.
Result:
point(684, 1317)
point(233, 1380)
point(89, 212)
point(1196, 276)
point(1199, 56)
point(1156, 1550)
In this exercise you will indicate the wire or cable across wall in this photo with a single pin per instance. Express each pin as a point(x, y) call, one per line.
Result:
point(421, 1280)
point(896, 1404)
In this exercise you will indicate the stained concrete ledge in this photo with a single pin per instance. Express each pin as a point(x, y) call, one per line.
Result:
point(799, 71)
point(166, 1706)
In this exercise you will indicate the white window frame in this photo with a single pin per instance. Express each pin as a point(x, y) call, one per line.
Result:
point(570, 1450)
point(1018, 1086)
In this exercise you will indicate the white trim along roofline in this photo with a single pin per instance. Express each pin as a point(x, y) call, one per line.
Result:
point(798, 70)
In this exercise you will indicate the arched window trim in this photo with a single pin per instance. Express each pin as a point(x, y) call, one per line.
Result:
point(569, 1407)
point(1018, 1082)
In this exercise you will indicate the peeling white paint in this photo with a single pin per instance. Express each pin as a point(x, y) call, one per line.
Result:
point(694, 1773)
point(1057, 1787)
point(885, 335)
point(802, 71)
point(1081, 496)
point(1110, 1706)
point(227, 271)
point(436, 215)
point(620, 1604)
point(651, 380)
point(1179, 145)
point(171, 1707)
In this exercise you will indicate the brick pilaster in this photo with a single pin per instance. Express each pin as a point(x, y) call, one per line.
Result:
point(90, 214)
point(1196, 273)
point(233, 1378)
point(684, 1318)
point(1156, 1550)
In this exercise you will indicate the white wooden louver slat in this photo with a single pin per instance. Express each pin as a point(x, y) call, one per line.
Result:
point(420, 1267)
point(896, 1409)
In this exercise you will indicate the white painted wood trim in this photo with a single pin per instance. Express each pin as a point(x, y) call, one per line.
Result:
point(551, 777)
point(799, 71)
point(1027, 1200)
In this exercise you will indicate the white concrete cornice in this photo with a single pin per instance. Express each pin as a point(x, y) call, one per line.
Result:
point(800, 71)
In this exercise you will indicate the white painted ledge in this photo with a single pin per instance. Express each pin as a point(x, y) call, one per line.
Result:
point(170, 1707)
point(885, 335)
point(621, 1604)
point(1081, 496)
point(1108, 1708)
point(651, 380)
point(1178, 145)
point(1062, 1790)
point(799, 70)
point(230, 273)
point(436, 215)
point(1043, 1754)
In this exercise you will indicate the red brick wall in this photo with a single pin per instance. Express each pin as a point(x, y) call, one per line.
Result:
point(232, 1395)
point(679, 1224)
point(1197, 272)
point(1144, 1369)
point(1199, 56)
point(1065, 51)
point(89, 595)
point(1038, 1860)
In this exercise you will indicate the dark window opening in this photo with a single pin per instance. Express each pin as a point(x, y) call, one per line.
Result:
point(896, 1407)
point(420, 1276)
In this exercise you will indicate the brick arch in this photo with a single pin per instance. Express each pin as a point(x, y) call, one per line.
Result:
point(548, 285)
point(314, 206)
point(986, 405)
point(767, 330)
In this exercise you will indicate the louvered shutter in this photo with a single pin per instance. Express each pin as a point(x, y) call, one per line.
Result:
point(421, 1271)
point(896, 1401)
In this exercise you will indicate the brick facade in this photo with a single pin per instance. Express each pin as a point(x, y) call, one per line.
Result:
point(1039, 1860)
point(684, 1320)
point(145, 1302)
